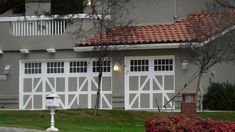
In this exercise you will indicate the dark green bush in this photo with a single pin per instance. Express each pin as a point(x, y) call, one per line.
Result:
point(220, 97)
point(63, 7)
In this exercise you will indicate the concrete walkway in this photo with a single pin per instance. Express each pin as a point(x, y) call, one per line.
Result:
point(9, 129)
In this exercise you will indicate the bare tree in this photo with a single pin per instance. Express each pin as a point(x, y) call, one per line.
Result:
point(205, 53)
point(220, 5)
point(108, 16)
point(226, 3)
point(105, 16)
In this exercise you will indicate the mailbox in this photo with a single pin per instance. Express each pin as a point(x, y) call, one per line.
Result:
point(53, 100)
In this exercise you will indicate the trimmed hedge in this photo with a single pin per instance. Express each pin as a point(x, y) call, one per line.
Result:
point(184, 124)
point(220, 97)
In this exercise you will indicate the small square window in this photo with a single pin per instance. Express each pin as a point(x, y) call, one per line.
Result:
point(105, 66)
point(163, 65)
point(78, 67)
point(139, 65)
point(55, 67)
point(32, 68)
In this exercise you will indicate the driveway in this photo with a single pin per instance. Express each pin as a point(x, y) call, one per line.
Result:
point(9, 129)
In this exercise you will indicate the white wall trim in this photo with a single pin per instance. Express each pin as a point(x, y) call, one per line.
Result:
point(43, 17)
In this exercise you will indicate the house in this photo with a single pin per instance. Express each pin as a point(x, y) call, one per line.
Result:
point(36, 60)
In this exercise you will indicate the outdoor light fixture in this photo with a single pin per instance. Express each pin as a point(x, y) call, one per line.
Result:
point(116, 67)
point(185, 65)
point(7, 69)
point(24, 51)
point(212, 76)
point(88, 3)
point(1, 52)
point(51, 50)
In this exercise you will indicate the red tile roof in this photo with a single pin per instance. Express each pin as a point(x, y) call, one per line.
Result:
point(193, 28)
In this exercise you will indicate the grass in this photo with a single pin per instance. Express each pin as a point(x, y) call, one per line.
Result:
point(84, 121)
point(77, 120)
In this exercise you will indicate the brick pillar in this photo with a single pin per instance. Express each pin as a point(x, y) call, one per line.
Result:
point(189, 104)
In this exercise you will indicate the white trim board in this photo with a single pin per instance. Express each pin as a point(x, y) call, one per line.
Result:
point(43, 17)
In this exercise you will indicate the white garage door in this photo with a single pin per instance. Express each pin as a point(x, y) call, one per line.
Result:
point(149, 82)
point(75, 81)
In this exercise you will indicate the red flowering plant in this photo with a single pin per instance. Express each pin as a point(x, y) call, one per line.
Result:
point(185, 124)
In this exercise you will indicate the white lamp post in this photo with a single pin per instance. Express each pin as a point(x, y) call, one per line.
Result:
point(52, 102)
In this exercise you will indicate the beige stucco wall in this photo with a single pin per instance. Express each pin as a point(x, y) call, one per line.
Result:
point(140, 12)
point(10, 87)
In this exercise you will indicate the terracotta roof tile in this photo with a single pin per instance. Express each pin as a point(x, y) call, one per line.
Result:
point(193, 28)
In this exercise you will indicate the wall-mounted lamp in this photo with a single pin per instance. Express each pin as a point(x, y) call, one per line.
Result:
point(185, 65)
point(116, 67)
point(88, 3)
point(212, 72)
point(7, 69)
point(212, 76)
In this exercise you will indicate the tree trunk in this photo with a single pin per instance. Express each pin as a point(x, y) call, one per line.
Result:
point(199, 81)
point(198, 88)
point(97, 103)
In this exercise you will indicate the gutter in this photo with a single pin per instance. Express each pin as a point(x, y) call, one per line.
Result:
point(216, 36)
point(133, 47)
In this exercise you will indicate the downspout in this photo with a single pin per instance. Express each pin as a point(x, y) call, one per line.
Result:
point(175, 17)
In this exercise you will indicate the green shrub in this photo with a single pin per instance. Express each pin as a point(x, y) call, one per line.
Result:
point(220, 97)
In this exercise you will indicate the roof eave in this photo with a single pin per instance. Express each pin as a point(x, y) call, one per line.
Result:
point(134, 47)
point(217, 36)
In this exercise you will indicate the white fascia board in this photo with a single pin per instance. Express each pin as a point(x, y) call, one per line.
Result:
point(133, 47)
point(43, 17)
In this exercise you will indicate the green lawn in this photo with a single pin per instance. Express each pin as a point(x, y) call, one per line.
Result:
point(84, 121)
point(78, 120)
